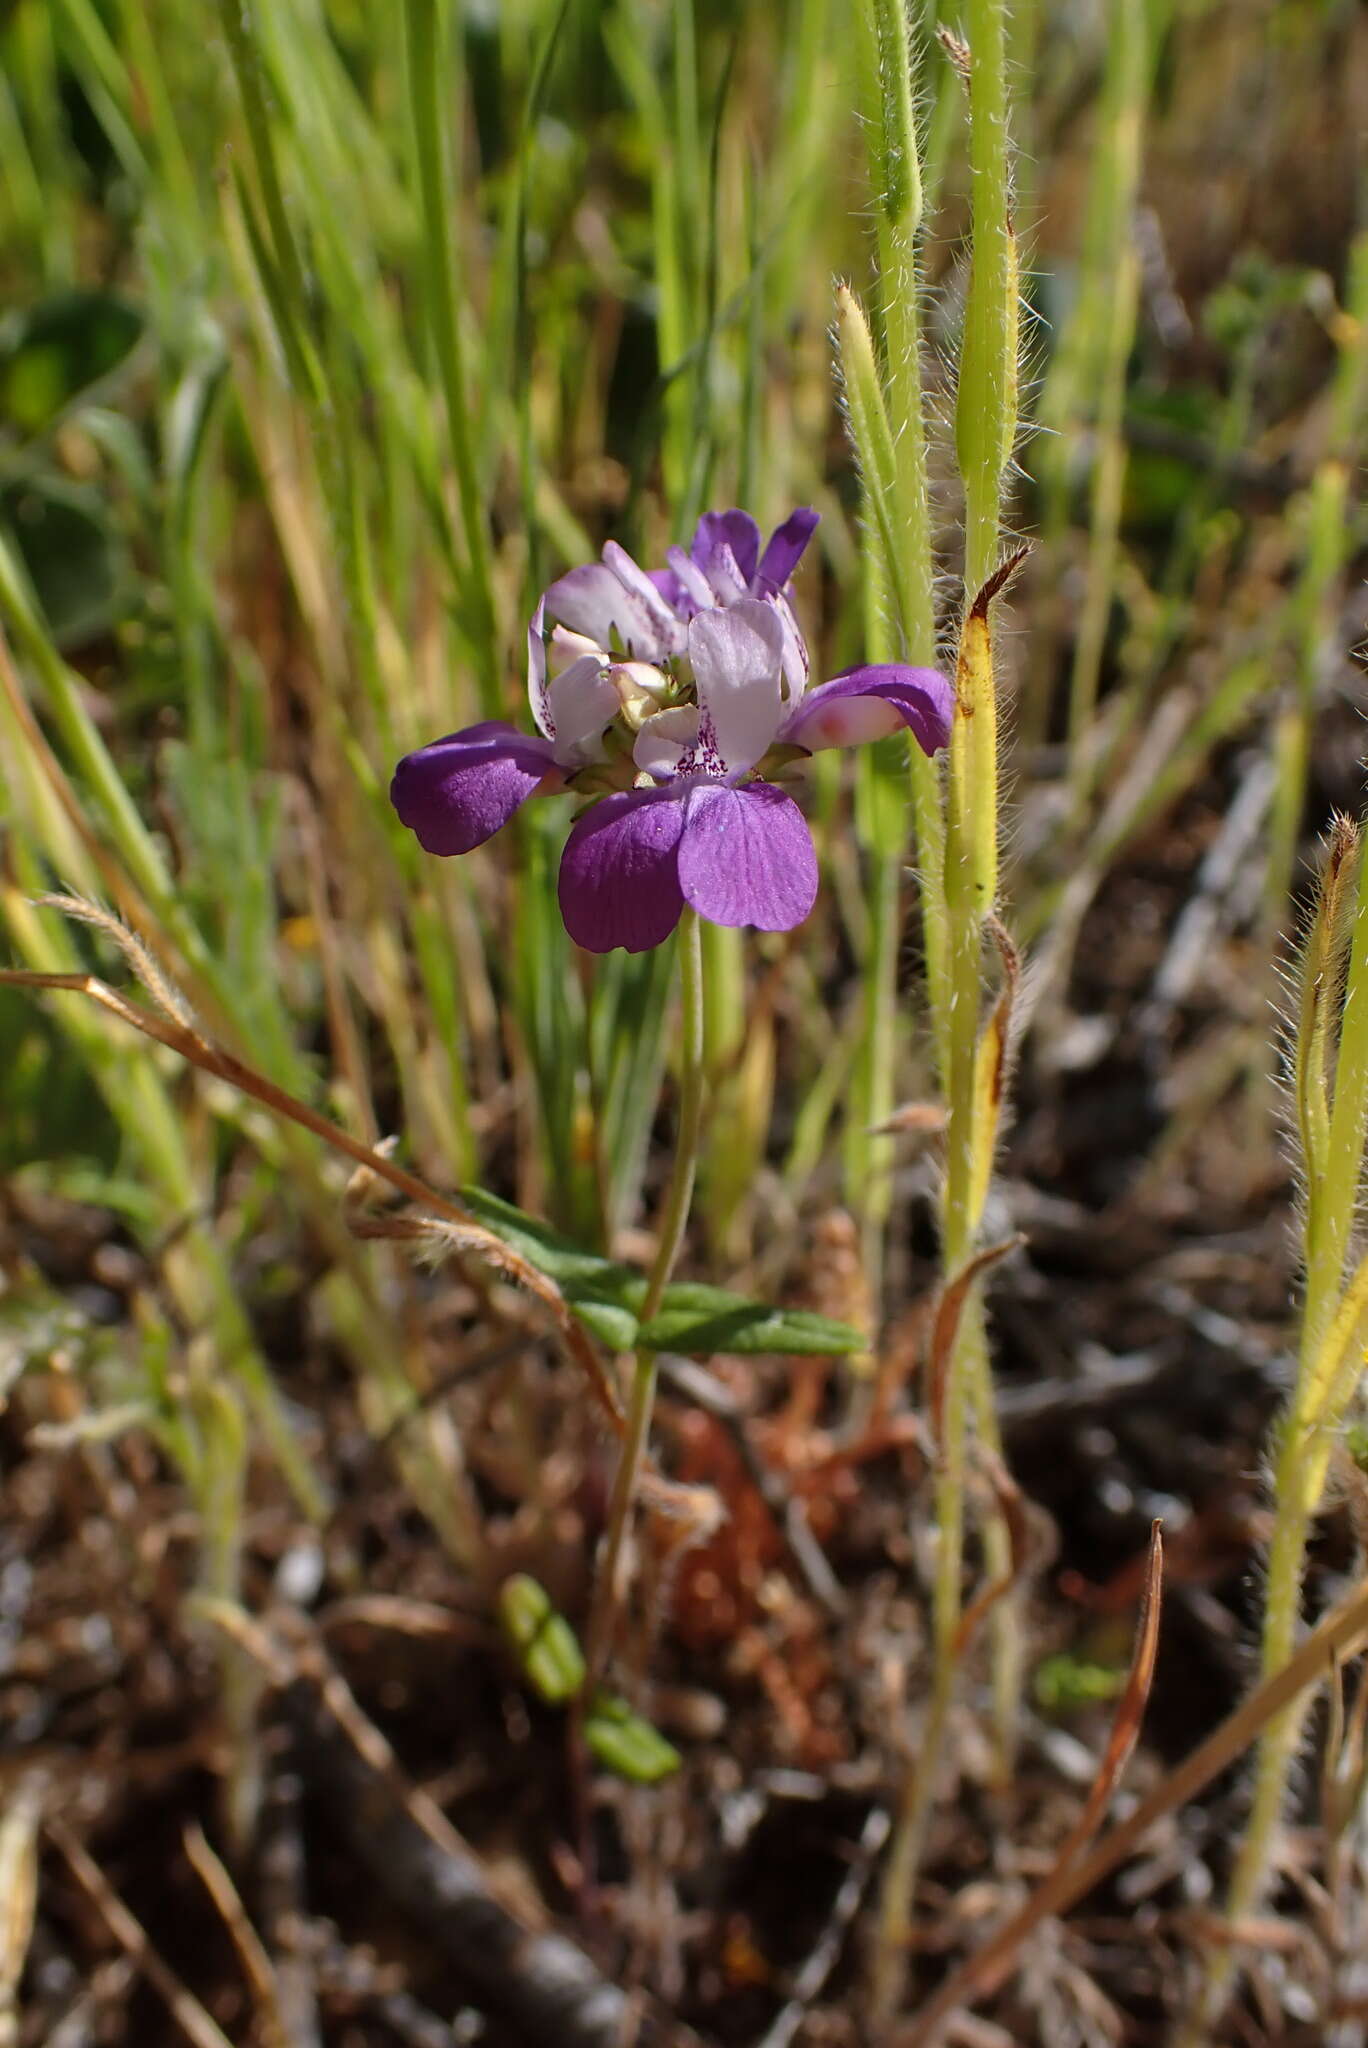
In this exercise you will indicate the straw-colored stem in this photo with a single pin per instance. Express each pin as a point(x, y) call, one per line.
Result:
point(1277, 1748)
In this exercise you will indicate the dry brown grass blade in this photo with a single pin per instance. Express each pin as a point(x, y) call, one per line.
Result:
point(1130, 1708)
point(1342, 1633)
point(19, 1828)
point(999, 1038)
point(948, 1312)
point(256, 1964)
point(189, 2015)
point(1011, 1506)
point(1001, 576)
point(473, 1237)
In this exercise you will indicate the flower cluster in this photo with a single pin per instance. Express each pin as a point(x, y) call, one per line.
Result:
point(669, 697)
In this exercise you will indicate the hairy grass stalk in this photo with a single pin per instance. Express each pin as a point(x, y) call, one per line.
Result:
point(985, 433)
point(1330, 1091)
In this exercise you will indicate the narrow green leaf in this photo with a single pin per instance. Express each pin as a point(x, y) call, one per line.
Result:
point(693, 1317)
point(698, 1319)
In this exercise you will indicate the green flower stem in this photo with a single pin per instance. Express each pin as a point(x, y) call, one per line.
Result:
point(673, 1223)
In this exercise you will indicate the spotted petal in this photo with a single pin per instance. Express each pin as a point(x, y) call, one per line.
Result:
point(582, 701)
point(667, 739)
point(536, 671)
point(619, 874)
point(737, 653)
point(746, 856)
point(870, 702)
point(457, 792)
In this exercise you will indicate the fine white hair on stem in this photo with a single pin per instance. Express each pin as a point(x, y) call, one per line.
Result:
point(163, 991)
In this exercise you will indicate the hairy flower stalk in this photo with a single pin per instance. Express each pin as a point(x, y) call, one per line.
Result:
point(888, 418)
point(1330, 1088)
point(962, 888)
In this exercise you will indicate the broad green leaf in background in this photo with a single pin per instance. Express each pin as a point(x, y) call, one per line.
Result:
point(76, 561)
point(57, 350)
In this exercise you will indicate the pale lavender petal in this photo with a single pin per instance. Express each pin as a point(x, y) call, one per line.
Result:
point(456, 793)
point(842, 712)
point(619, 874)
point(746, 856)
point(665, 624)
point(737, 532)
point(785, 546)
point(536, 671)
point(724, 573)
point(665, 740)
point(582, 702)
point(692, 580)
point(737, 654)
point(563, 647)
point(592, 601)
point(795, 647)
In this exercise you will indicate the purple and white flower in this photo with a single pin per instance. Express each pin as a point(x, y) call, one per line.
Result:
point(704, 695)
point(648, 613)
point(457, 792)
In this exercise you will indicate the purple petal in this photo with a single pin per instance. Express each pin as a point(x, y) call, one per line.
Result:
point(591, 600)
point(672, 590)
point(785, 546)
point(867, 703)
point(746, 856)
point(456, 793)
point(619, 874)
point(737, 532)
